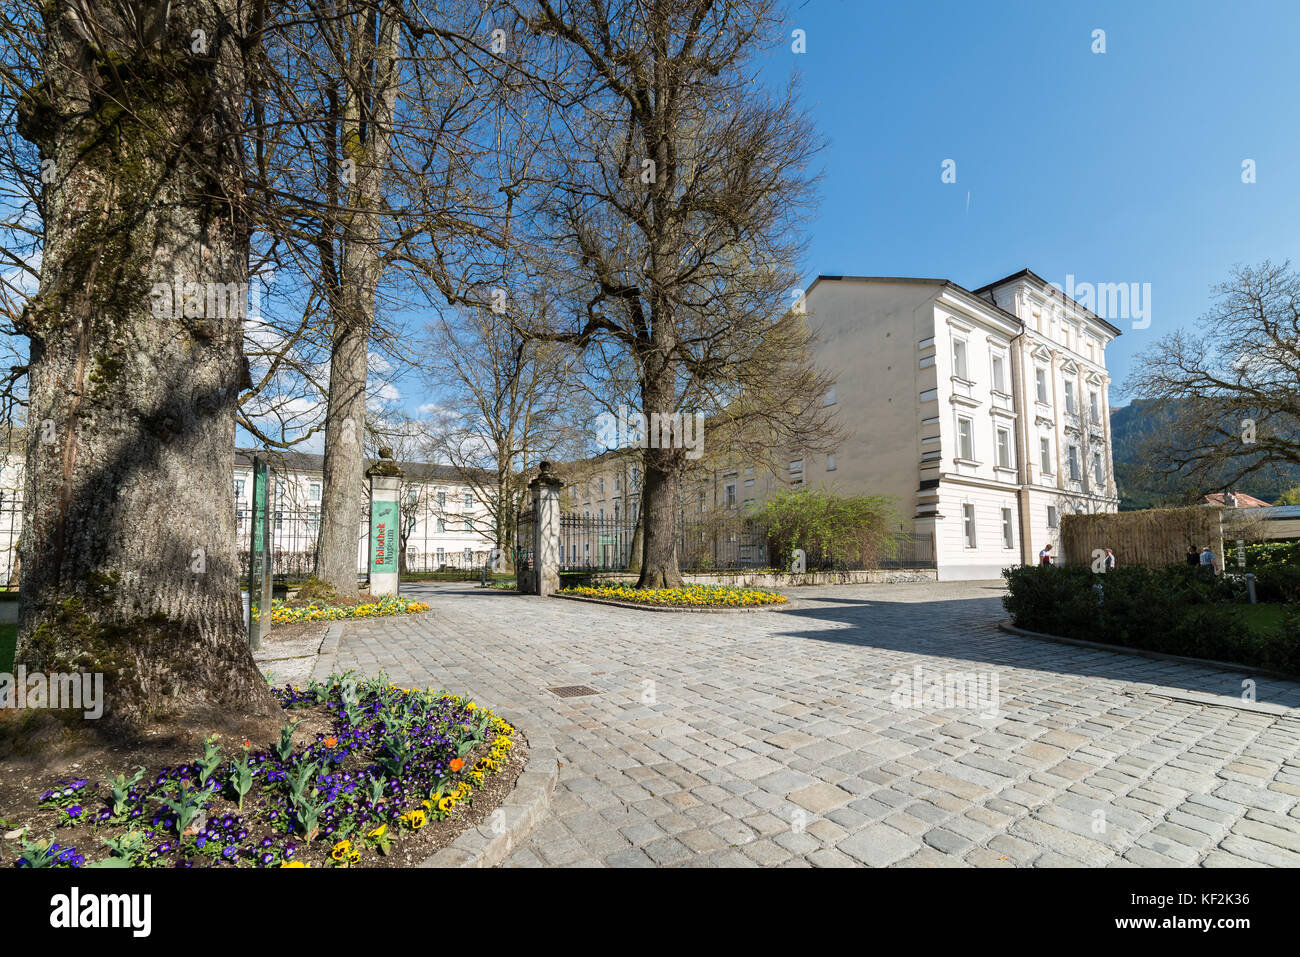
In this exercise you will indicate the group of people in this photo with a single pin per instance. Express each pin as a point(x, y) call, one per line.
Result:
point(1204, 557)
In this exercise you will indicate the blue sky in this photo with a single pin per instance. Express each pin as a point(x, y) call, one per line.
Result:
point(1117, 167)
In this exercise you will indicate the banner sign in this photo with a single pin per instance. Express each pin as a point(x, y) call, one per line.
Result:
point(384, 519)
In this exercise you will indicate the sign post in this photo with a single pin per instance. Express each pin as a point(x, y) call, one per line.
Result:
point(259, 554)
point(385, 520)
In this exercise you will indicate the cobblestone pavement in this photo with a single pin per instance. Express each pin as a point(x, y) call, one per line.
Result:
point(772, 738)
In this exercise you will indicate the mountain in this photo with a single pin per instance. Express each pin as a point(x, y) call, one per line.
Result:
point(1132, 426)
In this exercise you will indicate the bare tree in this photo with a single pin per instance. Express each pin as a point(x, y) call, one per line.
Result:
point(505, 402)
point(673, 207)
point(135, 337)
point(1229, 396)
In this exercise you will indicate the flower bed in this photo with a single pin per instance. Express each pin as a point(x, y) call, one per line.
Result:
point(687, 596)
point(386, 764)
point(286, 614)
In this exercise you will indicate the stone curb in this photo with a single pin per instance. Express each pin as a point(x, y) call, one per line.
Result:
point(524, 808)
point(675, 608)
point(328, 653)
point(1006, 626)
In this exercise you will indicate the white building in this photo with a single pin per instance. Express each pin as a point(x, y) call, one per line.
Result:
point(445, 524)
point(984, 413)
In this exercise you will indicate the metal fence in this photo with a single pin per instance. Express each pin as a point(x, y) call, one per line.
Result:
point(11, 523)
point(603, 544)
point(594, 544)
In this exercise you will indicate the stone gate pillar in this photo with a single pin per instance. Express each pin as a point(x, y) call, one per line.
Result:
point(385, 524)
point(546, 523)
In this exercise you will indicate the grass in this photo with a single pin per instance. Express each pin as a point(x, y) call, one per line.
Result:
point(8, 638)
point(1263, 619)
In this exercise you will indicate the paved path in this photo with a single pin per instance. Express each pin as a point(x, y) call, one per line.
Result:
point(772, 739)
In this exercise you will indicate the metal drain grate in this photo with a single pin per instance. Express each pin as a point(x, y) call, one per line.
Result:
point(573, 691)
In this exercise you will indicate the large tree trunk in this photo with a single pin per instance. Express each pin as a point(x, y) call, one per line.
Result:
point(367, 132)
point(663, 472)
point(128, 545)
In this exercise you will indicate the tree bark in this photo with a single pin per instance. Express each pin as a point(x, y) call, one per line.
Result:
point(128, 546)
point(663, 471)
point(367, 132)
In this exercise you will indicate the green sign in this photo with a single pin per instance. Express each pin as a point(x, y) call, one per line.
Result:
point(259, 561)
point(384, 520)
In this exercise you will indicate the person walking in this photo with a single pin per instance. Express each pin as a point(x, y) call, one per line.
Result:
point(1207, 560)
point(1192, 557)
point(1045, 556)
point(1109, 564)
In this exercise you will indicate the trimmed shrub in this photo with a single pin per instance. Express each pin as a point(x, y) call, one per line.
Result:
point(834, 531)
point(1176, 610)
point(1261, 554)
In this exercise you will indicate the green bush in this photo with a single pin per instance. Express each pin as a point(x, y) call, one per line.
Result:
point(1262, 554)
point(834, 531)
point(1277, 583)
point(1176, 609)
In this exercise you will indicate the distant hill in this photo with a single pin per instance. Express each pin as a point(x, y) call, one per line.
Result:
point(1133, 425)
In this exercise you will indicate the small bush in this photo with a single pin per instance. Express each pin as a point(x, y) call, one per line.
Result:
point(1260, 554)
point(834, 531)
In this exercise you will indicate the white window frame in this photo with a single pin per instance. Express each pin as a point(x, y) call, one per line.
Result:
point(1008, 528)
point(1040, 385)
point(1053, 518)
point(968, 525)
point(966, 443)
point(961, 358)
point(999, 447)
point(998, 372)
point(1073, 465)
point(1045, 455)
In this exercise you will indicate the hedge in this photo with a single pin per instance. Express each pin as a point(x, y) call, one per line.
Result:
point(1176, 609)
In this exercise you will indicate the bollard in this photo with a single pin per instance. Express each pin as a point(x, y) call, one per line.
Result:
point(1250, 586)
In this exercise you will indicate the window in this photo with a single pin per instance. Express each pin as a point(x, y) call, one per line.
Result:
point(239, 488)
point(749, 483)
point(441, 554)
point(1073, 457)
point(601, 515)
point(442, 524)
point(1069, 398)
point(1040, 382)
point(1051, 516)
point(469, 556)
point(830, 396)
point(1008, 531)
point(699, 505)
point(965, 440)
point(830, 463)
point(731, 495)
point(615, 484)
point(999, 373)
point(796, 466)
point(412, 496)
point(601, 484)
point(1094, 406)
point(968, 524)
point(616, 511)
point(442, 499)
point(1045, 456)
point(959, 358)
point(469, 498)
point(469, 524)
point(636, 476)
point(313, 492)
point(1098, 471)
point(313, 520)
point(1004, 447)
point(279, 519)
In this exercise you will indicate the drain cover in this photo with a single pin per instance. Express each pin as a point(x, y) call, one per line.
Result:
point(573, 691)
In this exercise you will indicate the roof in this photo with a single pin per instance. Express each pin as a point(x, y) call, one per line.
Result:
point(962, 291)
point(1044, 285)
point(314, 462)
point(1242, 500)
